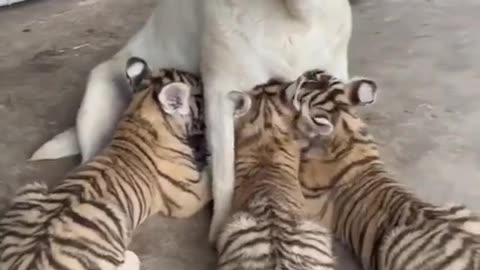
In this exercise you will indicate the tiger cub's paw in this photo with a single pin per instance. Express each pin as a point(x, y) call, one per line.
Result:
point(131, 262)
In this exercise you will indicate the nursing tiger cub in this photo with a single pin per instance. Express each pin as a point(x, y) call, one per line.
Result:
point(153, 165)
point(268, 228)
point(348, 187)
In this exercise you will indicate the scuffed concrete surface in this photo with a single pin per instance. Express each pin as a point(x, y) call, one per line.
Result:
point(425, 54)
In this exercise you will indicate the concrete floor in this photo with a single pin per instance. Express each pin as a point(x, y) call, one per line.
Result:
point(425, 54)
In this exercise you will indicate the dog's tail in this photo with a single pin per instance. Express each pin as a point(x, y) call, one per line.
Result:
point(106, 96)
point(62, 145)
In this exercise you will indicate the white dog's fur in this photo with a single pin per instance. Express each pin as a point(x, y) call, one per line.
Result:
point(234, 44)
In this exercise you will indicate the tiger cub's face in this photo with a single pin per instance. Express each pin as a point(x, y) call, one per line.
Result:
point(328, 105)
point(266, 111)
point(270, 111)
point(167, 99)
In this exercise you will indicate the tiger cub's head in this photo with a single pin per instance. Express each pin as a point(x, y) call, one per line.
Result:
point(316, 105)
point(328, 107)
point(167, 105)
point(168, 99)
point(269, 113)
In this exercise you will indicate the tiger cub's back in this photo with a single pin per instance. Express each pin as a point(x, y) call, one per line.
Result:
point(268, 228)
point(440, 238)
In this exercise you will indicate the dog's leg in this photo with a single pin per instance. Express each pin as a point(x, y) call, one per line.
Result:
point(220, 136)
point(228, 65)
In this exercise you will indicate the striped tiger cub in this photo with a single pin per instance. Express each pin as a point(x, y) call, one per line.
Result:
point(347, 186)
point(153, 165)
point(268, 228)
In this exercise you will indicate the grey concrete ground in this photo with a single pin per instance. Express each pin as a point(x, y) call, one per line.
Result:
point(425, 53)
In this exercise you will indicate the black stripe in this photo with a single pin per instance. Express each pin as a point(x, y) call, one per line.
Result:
point(353, 165)
point(343, 202)
point(118, 241)
point(134, 182)
point(111, 215)
point(87, 246)
point(419, 250)
point(120, 187)
point(110, 188)
point(139, 192)
point(57, 265)
point(166, 199)
point(354, 207)
point(85, 261)
point(329, 98)
point(249, 245)
point(302, 244)
point(85, 222)
point(340, 175)
point(236, 235)
point(172, 180)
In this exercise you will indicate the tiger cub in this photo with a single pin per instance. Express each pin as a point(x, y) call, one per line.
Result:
point(153, 165)
point(347, 186)
point(268, 228)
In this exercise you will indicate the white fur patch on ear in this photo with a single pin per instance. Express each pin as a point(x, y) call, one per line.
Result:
point(363, 91)
point(135, 69)
point(324, 127)
point(242, 102)
point(174, 98)
point(366, 93)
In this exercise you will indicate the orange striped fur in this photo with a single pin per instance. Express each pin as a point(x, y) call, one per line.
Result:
point(349, 189)
point(268, 228)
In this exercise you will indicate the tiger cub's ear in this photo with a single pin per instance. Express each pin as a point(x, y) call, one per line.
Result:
point(293, 90)
point(242, 102)
point(136, 72)
point(174, 98)
point(361, 91)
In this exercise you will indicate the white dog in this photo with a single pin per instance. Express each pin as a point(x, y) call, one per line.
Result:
point(234, 45)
